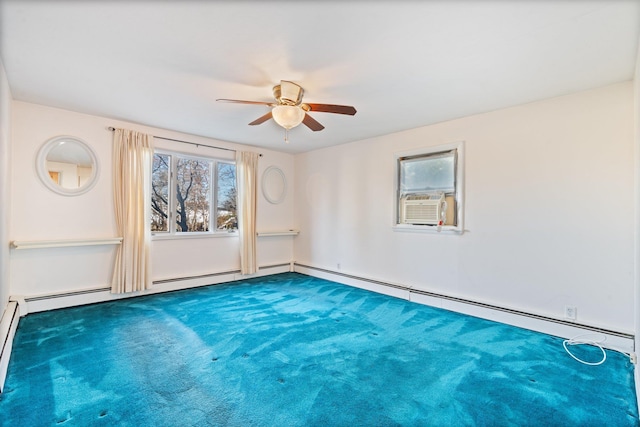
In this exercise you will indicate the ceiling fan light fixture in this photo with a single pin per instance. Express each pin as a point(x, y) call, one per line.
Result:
point(287, 116)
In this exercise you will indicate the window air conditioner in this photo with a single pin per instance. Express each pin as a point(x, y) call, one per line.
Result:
point(426, 209)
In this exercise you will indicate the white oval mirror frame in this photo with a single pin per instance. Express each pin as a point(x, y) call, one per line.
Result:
point(274, 185)
point(67, 165)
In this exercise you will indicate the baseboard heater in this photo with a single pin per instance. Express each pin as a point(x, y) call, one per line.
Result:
point(200, 276)
point(67, 294)
point(474, 303)
point(223, 273)
point(89, 296)
point(8, 326)
point(362, 279)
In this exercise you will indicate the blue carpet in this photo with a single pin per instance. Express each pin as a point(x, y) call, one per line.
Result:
point(292, 350)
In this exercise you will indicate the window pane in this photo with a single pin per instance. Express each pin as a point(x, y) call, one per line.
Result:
point(160, 193)
point(429, 173)
point(227, 196)
point(193, 192)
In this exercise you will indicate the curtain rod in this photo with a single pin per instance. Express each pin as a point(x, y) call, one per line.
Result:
point(111, 128)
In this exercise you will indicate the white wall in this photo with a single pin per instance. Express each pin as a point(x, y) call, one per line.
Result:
point(636, 115)
point(40, 214)
point(549, 208)
point(5, 185)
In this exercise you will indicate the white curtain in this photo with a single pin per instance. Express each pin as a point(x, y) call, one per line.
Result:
point(247, 180)
point(132, 162)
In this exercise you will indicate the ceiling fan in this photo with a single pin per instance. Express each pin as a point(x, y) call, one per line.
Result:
point(289, 111)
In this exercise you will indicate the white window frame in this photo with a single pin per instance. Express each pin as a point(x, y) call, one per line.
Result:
point(213, 170)
point(458, 193)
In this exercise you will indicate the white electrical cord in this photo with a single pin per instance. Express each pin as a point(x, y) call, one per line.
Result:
point(577, 340)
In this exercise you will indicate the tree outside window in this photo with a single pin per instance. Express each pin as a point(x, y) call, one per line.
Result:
point(189, 191)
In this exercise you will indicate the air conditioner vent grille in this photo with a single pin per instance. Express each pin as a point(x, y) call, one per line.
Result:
point(422, 213)
point(422, 209)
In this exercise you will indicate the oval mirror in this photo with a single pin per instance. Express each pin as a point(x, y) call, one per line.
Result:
point(67, 165)
point(274, 185)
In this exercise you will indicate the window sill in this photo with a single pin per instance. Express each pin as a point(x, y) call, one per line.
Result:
point(429, 229)
point(192, 235)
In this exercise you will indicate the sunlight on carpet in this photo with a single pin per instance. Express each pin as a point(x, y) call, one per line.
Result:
point(293, 350)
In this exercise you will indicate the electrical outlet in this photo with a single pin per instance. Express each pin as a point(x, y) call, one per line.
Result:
point(570, 312)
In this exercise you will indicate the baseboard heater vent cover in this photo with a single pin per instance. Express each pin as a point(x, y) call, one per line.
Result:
point(8, 326)
point(411, 290)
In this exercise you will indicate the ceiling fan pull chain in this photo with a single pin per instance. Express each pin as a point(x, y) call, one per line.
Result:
point(286, 135)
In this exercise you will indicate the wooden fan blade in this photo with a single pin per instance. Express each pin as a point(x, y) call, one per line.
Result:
point(238, 101)
point(311, 123)
point(330, 108)
point(261, 120)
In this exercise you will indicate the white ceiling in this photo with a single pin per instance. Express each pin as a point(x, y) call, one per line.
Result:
point(402, 64)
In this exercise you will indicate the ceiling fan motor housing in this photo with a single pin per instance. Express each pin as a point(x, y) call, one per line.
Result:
point(288, 93)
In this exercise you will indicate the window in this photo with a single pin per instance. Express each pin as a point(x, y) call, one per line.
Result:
point(425, 178)
point(188, 193)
